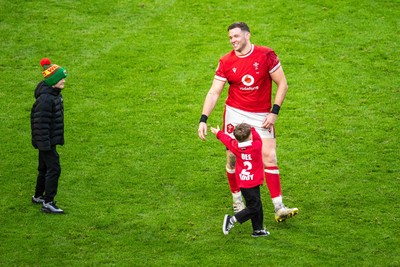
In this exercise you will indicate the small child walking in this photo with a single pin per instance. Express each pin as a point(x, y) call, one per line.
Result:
point(249, 174)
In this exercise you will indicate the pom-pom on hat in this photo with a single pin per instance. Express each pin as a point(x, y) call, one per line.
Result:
point(52, 73)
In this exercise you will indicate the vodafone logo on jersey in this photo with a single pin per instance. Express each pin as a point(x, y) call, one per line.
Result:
point(247, 80)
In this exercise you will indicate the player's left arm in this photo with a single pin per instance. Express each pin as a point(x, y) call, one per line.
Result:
point(278, 76)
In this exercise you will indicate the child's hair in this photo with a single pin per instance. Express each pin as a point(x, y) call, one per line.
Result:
point(242, 132)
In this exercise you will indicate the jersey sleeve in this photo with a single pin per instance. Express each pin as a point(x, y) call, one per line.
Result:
point(228, 141)
point(273, 62)
point(256, 137)
point(220, 72)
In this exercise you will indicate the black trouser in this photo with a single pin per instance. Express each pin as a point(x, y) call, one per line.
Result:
point(253, 210)
point(49, 172)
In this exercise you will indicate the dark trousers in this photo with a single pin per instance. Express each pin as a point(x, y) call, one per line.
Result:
point(49, 172)
point(253, 210)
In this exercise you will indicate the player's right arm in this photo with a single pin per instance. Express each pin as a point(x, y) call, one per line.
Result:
point(209, 105)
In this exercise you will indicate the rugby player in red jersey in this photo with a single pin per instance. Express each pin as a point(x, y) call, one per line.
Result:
point(250, 70)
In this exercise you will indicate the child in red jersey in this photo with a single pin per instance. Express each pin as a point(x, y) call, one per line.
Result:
point(249, 174)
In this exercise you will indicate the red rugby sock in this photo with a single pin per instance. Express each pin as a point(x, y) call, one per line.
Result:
point(233, 185)
point(273, 180)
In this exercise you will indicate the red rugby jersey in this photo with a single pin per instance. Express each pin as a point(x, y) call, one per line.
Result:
point(249, 78)
point(249, 168)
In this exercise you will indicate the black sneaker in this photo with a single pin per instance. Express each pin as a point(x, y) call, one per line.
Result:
point(227, 225)
point(51, 207)
point(38, 200)
point(259, 233)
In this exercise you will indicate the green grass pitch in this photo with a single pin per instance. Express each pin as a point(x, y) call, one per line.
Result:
point(138, 186)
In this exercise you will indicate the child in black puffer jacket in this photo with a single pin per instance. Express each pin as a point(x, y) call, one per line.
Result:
point(47, 125)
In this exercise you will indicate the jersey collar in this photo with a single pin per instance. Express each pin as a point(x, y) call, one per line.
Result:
point(244, 144)
point(248, 53)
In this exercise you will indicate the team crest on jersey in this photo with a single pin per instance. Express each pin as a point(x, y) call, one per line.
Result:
point(230, 128)
point(234, 70)
point(256, 65)
point(247, 80)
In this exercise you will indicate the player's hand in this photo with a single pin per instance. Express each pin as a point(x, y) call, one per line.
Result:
point(269, 121)
point(202, 130)
point(215, 130)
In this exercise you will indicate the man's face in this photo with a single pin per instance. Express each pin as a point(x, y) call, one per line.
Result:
point(238, 39)
point(60, 84)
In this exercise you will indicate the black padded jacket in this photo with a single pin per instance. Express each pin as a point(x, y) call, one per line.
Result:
point(47, 117)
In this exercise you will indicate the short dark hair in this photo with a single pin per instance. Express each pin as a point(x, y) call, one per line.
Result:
point(242, 25)
point(242, 132)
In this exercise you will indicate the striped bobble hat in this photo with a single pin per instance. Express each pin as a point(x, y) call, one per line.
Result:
point(52, 73)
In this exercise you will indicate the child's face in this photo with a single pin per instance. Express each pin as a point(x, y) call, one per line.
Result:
point(60, 84)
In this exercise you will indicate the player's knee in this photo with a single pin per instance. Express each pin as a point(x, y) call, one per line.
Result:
point(269, 158)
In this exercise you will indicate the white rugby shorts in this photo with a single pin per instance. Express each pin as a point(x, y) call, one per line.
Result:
point(234, 116)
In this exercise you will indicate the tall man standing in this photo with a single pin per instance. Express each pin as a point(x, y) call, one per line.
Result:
point(250, 70)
